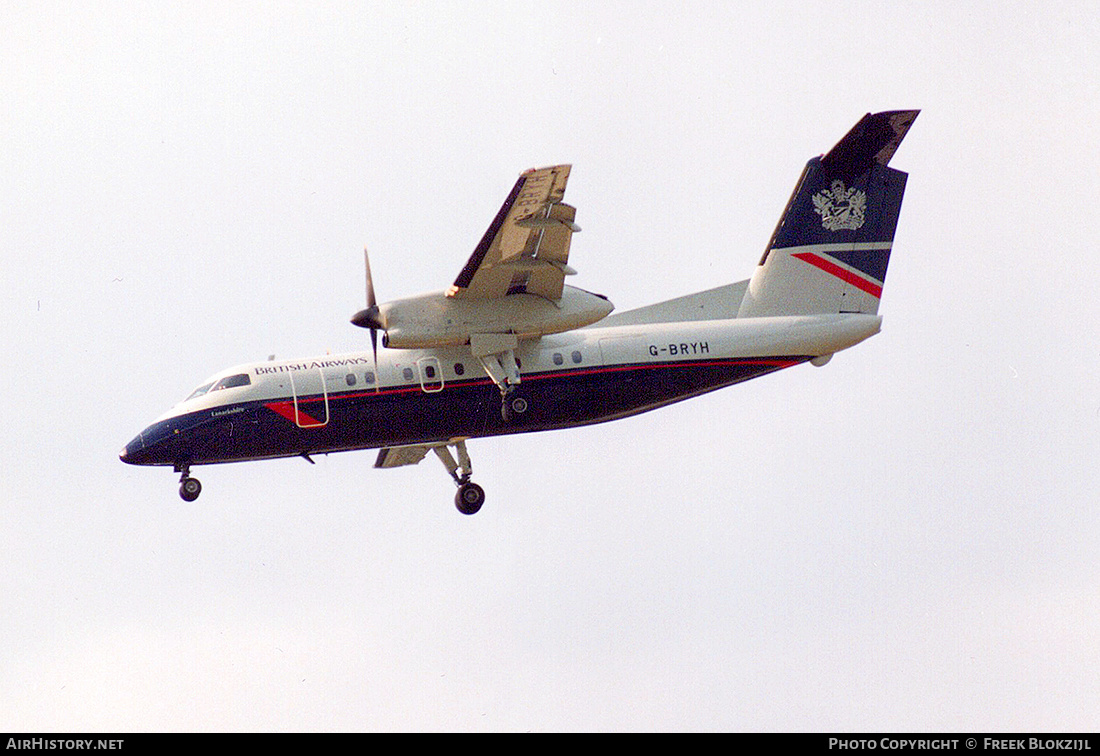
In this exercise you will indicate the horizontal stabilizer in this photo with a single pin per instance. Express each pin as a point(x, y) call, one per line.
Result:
point(720, 303)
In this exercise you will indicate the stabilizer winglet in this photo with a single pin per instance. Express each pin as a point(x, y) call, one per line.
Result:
point(874, 139)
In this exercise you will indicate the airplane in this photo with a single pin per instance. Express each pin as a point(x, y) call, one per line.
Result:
point(509, 348)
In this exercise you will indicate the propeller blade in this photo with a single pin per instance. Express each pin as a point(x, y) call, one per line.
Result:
point(371, 301)
point(369, 317)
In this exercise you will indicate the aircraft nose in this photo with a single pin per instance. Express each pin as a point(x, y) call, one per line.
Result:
point(131, 453)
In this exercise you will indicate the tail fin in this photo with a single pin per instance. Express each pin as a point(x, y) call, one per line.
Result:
point(830, 250)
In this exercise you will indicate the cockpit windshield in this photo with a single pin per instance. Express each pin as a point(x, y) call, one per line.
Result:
point(229, 381)
point(232, 381)
point(199, 391)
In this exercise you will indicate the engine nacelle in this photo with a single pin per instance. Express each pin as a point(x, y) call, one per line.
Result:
point(434, 320)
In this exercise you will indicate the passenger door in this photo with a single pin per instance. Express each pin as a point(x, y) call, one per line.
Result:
point(431, 376)
point(310, 398)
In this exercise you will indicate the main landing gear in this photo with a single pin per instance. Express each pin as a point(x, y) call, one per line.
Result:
point(496, 353)
point(470, 496)
point(190, 488)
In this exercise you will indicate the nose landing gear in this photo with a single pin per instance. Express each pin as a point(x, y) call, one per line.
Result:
point(190, 488)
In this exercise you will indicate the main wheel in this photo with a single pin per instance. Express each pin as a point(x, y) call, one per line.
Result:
point(469, 498)
point(190, 488)
point(511, 406)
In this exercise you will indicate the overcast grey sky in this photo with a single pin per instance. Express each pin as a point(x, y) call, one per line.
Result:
point(904, 539)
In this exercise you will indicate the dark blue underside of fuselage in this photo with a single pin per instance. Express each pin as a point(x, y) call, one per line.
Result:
point(399, 416)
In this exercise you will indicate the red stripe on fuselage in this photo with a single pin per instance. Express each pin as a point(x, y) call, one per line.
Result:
point(843, 274)
point(287, 410)
point(294, 415)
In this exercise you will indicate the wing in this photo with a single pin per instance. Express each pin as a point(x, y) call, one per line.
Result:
point(526, 248)
point(399, 456)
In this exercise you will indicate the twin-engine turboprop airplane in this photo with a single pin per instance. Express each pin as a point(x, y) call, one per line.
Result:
point(510, 349)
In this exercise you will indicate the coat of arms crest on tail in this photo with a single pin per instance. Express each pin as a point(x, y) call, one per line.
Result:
point(840, 208)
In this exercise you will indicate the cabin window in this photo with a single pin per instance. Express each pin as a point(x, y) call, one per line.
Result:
point(558, 359)
point(350, 379)
point(368, 377)
point(459, 368)
point(408, 373)
point(519, 363)
point(576, 357)
point(232, 381)
point(429, 371)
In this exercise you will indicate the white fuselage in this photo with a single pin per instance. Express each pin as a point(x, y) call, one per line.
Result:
point(431, 370)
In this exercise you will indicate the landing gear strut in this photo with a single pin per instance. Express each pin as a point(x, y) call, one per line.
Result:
point(190, 488)
point(496, 353)
point(470, 496)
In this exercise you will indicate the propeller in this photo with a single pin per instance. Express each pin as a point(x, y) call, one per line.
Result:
point(370, 317)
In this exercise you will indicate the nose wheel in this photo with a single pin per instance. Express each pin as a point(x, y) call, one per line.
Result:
point(190, 488)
